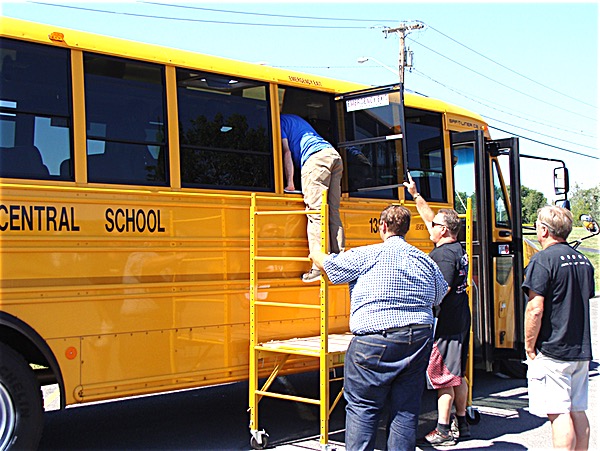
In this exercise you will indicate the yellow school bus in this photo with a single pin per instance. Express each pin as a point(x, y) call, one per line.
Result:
point(126, 173)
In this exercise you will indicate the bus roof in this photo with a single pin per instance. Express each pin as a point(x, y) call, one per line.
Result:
point(79, 40)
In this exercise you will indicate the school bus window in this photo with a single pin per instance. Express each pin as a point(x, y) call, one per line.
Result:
point(425, 153)
point(372, 165)
point(463, 163)
point(383, 169)
point(500, 202)
point(224, 132)
point(35, 111)
point(313, 106)
point(126, 121)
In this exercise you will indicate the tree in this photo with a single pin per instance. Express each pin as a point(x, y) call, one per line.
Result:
point(531, 201)
point(585, 201)
point(460, 201)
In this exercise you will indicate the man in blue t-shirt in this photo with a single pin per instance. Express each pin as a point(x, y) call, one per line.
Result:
point(321, 169)
point(559, 282)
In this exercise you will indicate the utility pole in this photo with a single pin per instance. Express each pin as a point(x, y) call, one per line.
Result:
point(403, 29)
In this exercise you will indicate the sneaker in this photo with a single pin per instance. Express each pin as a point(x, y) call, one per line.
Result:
point(464, 430)
point(311, 276)
point(454, 428)
point(437, 438)
point(459, 431)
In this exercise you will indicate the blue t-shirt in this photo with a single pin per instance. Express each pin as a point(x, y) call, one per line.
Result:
point(392, 284)
point(303, 140)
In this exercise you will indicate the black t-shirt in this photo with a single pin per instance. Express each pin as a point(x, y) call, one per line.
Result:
point(565, 278)
point(454, 317)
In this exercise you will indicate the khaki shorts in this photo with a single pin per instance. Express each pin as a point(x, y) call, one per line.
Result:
point(556, 386)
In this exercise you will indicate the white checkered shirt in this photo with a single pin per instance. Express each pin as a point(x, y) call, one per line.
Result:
point(392, 284)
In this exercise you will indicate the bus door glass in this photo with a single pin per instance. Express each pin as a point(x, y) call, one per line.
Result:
point(467, 151)
point(506, 245)
point(370, 140)
point(503, 262)
point(488, 172)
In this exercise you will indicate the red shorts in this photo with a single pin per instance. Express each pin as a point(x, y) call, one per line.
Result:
point(448, 361)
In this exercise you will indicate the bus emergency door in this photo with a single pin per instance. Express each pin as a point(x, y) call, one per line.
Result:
point(371, 128)
point(488, 171)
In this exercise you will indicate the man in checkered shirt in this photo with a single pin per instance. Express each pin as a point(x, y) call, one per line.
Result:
point(393, 288)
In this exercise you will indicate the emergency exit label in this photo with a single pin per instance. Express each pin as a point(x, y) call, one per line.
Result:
point(363, 103)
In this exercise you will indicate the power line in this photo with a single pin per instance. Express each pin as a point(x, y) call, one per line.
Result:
point(471, 98)
point(502, 84)
point(265, 14)
point(543, 143)
point(543, 134)
point(522, 128)
point(187, 19)
point(509, 69)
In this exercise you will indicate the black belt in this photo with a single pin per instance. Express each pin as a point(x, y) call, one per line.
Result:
point(391, 330)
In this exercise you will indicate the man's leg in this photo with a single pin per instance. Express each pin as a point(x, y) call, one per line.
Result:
point(582, 430)
point(365, 390)
point(579, 404)
point(407, 390)
point(563, 431)
point(461, 393)
point(571, 430)
point(444, 402)
point(337, 239)
point(316, 176)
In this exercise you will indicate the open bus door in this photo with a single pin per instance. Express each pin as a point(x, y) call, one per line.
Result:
point(371, 128)
point(498, 303)
point(372, 120)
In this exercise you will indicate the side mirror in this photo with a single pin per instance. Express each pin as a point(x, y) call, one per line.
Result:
point(561, 181)
point(590, 224)
point(566, 204)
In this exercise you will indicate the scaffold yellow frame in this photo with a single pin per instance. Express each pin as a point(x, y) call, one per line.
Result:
point(329, 349)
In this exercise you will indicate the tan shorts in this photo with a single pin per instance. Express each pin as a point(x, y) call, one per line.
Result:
point(556, 386)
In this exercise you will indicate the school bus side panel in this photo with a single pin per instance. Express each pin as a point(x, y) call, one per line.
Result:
point(147, 292)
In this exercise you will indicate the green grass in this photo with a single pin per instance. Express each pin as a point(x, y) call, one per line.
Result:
point(580, 232)
point(594, 257)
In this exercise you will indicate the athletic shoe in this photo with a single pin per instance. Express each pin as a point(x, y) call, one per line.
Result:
point(454, 428)
point(464, 430)
point(311, 276)
point(437, 438)
point(459, 431)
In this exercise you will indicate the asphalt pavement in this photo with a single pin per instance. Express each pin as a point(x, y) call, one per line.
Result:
point(215, 418)
point(502, 402)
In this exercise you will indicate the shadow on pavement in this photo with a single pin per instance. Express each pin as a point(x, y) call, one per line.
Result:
point(216, 418)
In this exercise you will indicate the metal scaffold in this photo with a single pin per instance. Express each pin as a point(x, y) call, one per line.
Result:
point(329, 349)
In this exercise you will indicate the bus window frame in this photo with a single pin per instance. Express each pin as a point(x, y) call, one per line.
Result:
point(42, 128)
point(267, 153)
point(119, 134)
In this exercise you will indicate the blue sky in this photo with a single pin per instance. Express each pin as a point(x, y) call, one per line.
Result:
point(530, 69)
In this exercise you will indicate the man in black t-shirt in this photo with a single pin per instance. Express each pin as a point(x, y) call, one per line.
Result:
point(448, 361)
point(559, 282)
